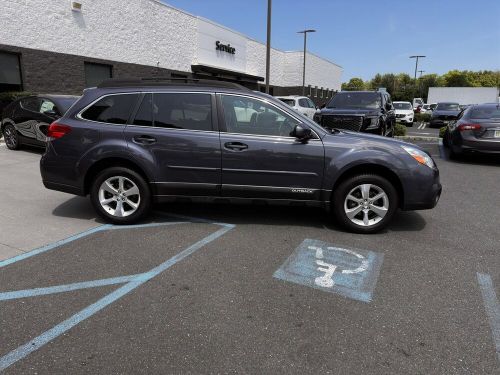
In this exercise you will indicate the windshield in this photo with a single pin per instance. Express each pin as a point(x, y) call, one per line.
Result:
point(486, 112)
point(290, 102)
point(355, 100)
point(448, 107)
point(402, 105)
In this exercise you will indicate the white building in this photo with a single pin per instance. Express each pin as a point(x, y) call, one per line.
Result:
point(64, 46)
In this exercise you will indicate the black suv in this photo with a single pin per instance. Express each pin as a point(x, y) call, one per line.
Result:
point(130, 144)
point(359, 111)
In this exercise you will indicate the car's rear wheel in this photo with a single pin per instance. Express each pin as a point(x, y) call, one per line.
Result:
point(11, 138)
point(120, 195)
point(365, 203)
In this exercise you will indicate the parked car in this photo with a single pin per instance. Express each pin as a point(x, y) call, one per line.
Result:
point(301, 104)
point(428, 108)
point(477, 129)
point(417, 102)
point(25, 121)
point(404, 112)
point(359, 111)
point(443, 114)
point(132, 145)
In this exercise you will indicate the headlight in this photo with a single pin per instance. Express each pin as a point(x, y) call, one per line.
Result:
point(419, 156)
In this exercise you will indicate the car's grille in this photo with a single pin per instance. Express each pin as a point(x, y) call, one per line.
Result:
point(400, 115)
point(345, 122)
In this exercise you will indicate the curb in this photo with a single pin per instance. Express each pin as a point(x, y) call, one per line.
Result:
point(417, 138)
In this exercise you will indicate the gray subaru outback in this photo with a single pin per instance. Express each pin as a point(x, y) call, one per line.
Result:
point(130, 144)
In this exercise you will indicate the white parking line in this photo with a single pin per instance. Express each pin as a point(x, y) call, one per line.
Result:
point(422, 126)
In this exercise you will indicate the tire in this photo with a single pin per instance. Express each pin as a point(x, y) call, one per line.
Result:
point(446, 139)
point(10, 137)
point(125, 189)
point(366, 220)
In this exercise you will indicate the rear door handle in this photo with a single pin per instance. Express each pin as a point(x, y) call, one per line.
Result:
point(144, 140)
point(235, 146)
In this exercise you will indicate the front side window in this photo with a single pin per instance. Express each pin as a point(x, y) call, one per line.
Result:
point(310, 103)
point(113, 109)
point(251, 116)
point(183, 111)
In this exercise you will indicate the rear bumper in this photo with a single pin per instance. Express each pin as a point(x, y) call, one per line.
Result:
point(484, 145)
point(75, 190)
point(53, 177)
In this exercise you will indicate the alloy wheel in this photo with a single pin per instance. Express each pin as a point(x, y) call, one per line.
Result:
point(366, 205)
point(10, 137)
point(119, 196)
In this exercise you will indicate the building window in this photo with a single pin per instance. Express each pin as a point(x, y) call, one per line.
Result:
point(96, 73)
point(10, 72)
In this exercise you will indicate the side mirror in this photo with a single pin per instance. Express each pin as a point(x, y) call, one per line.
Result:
point(301, 133)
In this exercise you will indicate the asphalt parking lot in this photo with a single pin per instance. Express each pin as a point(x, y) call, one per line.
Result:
point(228, 289)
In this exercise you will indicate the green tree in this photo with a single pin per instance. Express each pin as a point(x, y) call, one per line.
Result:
point(354, 84)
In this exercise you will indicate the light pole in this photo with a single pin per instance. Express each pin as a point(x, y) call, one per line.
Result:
point(304, 67)
point(268, 46)
point(420, 82)
point(416, 57)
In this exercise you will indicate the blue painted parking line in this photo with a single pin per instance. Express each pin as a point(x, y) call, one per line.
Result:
point(352, 273)
point(492, 307)
point(131, 283)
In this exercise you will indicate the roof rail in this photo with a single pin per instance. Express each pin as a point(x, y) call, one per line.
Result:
point(154, 81)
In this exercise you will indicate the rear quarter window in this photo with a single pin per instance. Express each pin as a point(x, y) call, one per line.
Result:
point(113, 109)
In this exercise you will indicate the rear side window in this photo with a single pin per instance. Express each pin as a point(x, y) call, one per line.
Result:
point(303, 103)
point(113, 109)
point(144, 116)
point(183, 111)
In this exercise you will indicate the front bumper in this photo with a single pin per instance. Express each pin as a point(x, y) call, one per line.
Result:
point(422, 192)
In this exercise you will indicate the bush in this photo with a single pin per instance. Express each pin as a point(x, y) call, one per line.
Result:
point(422, 117)
point(442, 131)
point(400, 130)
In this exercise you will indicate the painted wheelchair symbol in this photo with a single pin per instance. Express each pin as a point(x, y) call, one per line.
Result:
point(326, 281)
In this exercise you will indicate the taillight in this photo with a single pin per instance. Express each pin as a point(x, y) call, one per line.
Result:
point(57, 130)
point(463, 127)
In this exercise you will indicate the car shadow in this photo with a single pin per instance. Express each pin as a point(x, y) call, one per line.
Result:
point(77, 208)
point(81, 208)
point(470, 158)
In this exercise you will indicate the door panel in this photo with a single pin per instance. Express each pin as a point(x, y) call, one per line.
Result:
point(267, 163)
point(186, 159)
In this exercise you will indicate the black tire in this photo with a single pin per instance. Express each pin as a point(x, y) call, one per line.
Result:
point(341, 192)
point(10, 137)
point(144, 201)
point(446, 138)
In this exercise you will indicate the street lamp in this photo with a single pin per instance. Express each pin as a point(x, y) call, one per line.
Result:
point(304, 67)
point(268, 46)
point(416, 57)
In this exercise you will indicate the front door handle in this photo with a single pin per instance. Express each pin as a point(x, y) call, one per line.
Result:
point(144, 140)
point(235, 146)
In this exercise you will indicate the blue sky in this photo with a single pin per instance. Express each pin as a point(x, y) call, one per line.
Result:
point(367, 37)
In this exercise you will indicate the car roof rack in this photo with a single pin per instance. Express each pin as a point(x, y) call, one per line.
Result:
point(166, 81)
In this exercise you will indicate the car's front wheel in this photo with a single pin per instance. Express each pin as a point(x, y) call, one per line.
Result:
point(10, 136)
point(120, 195)
point(365, 203)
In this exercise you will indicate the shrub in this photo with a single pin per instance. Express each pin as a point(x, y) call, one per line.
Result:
point(400, 130)
point(442, 131)
point(422, 117)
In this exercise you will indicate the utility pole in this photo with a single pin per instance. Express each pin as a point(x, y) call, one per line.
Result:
point(304, 65)
point(268, 46)
point(416, 57)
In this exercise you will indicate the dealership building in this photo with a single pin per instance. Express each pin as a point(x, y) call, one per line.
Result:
point(65, 46)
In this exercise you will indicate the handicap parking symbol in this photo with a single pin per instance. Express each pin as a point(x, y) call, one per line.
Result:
point(352, 273)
